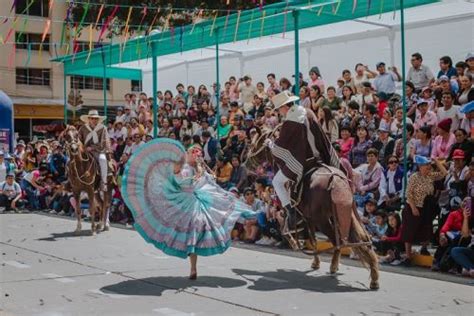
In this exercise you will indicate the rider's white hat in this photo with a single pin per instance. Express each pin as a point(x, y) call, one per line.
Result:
point(283, 98)
point(92, 114)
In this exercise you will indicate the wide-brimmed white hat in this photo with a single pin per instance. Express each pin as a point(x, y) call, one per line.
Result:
point(92, 114)
point(283, 98)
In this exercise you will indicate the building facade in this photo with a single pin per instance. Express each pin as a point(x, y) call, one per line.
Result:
point(36, 85)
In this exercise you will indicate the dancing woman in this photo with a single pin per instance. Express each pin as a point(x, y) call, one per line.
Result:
point(176, 204)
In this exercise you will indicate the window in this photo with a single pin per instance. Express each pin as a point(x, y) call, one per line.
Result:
point(84, 46)
point(31, 38)
point(88, 83)
point(33, 76)
point(38, 8)
point(136, 86)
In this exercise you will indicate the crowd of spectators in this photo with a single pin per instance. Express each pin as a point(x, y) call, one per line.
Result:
point(361, 114)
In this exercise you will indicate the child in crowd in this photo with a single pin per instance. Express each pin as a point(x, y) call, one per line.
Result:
point(390, 245)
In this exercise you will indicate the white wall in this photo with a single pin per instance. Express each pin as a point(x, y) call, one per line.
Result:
point(454, 38)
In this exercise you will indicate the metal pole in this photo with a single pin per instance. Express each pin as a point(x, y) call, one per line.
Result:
point(405, 162)
point(297, 51)
point(104, 84)
point(155, 91)
point(218, 116)
point(65, 97)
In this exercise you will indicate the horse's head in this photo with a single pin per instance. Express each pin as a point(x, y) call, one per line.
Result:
point(70, 138)
point(257, 152)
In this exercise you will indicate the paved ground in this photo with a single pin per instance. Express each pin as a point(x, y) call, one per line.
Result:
point(46, 270)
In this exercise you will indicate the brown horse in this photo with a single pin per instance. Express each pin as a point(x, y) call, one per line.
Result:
point(83, 175)
point(326, 205)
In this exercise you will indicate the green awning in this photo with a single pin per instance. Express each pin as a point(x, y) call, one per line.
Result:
point(111, 72)
point(277, 18)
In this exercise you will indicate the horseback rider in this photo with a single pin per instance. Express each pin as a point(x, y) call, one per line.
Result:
point(93, 134)
point(294, 157)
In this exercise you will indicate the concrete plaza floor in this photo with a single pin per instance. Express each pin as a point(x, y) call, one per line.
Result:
point(47, 270)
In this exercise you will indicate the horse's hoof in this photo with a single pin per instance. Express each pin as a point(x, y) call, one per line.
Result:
point(374, 285)
point(93, 233)
point(315, 266)
point(106, 228)
point(77, 231)
point(98, 228)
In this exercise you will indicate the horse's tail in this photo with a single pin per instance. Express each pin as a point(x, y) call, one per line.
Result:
point(359, 235)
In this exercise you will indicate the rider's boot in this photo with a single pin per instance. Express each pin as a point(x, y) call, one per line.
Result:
point(290, 217)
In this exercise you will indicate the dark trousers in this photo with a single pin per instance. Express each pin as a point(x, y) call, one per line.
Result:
point(6, 202)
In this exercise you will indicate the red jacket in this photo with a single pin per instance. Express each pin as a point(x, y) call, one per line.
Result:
point(397, 237)
point(454, 222)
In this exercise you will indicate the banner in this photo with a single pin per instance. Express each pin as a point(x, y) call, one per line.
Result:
point(5, 140)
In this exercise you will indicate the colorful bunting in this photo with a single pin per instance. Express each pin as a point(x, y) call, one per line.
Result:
point(45, 33)
point(250, 28)
point(264, 13)
point(285, 18)
point(86, 9)
point(101, 9)
point(10, 32)
point(213, 24)
point(354, 6)
point(237, 25)
point(11, 10)
point(109, 19)
point(338, 5)
point(154, 20)
point(90, 44)
point(226, 23)
point(28, 56)
point(125, 32)
point(381, 9)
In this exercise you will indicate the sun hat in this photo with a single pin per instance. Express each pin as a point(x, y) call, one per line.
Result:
point(422, 160)
point(458, 154)
point(283, 98)
point(92, 114)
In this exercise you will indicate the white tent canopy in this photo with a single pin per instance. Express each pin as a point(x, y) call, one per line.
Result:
point(434, 30)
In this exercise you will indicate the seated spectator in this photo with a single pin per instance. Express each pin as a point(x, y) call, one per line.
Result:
point(384, 145)
point(10, 193)
point(362, 142)
point(251, 226)
point(238, 178)
point(210, 148)
point(466, 93)
point(223, 172)
point(391, 185)
point(424, 117)
point(346, 141)
point(449, 110)
point(463, 143)
point(423, 145)
point(328, 123)
point(368, 215)
point(446, 67)
point(396, 127)
point(332, 101)
point(467, 123)
point(444, 141)
point(391, 244)
point(371, 174)
point(464, 256)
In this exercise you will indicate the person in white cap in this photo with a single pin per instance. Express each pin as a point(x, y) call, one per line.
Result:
point(93, 134)
point(293, 155)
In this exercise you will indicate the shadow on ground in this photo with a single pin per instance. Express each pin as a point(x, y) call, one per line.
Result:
point(56, 236)
point(283, 279)
point(157, 285)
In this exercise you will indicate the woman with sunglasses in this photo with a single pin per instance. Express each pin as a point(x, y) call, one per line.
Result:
point(391, 185)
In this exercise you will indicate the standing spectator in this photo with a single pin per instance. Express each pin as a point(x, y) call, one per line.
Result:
point(419, 74)
point(30, 184)
point(57, 164)
point(247, 91)
point(363, 74)
point(4, 166)
point(385, 81)
point(446, 67)
point(272, 83)
point(466, 93)
point(362, 143)
point(449, 111)
point(417, 225)
point(315, 78)
point(19, 151)
point(10, 192)
point(470, 64)
point(443, 142)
